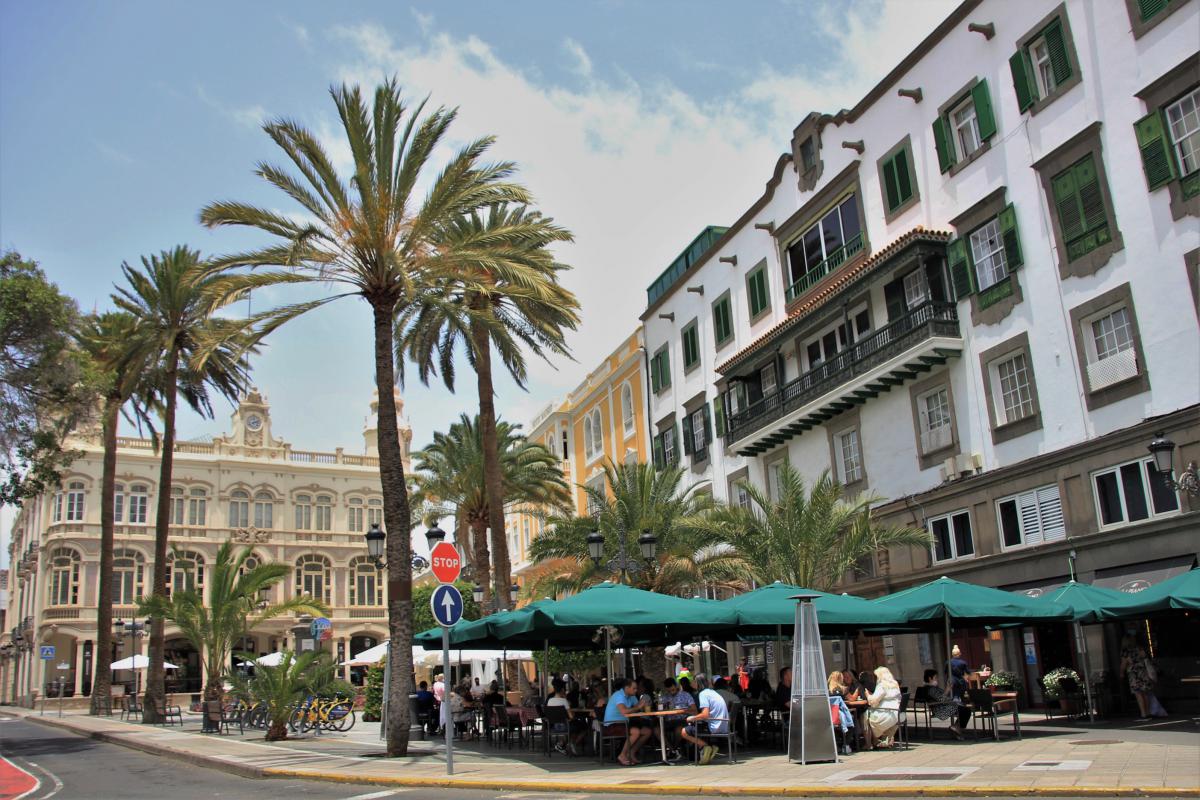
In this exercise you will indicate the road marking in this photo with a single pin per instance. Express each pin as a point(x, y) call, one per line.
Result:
point(21, 773)
point(58, 785)
point(374, 795)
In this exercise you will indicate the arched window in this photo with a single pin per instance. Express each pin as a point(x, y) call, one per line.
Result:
point(75, 501)
point(303, 512)
point(366, 584)
point(129, 569)
point(323, 513)
point(264, 511)
point(197, 506)
point(593, 426)
point(239, 509)
point(64, 577)
point(137, 500)
point(375, 511)
point(312, 576)
point(355, 516)
point(627, 407)
point(177, 505)
point(186, 571)
point(587, 436)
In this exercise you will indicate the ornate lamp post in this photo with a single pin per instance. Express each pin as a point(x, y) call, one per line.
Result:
point(377, 544)
point(1163, 450)
point(622, 564)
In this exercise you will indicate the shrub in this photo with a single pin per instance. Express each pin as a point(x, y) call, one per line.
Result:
point(1051, 681)
point(1009, 681)
point(373, 706)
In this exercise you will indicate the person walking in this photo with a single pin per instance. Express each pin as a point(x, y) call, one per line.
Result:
point(1139, 670)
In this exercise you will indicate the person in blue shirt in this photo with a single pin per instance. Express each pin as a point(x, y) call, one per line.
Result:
point(616, 721)
point(675, 699)
point(713, 715)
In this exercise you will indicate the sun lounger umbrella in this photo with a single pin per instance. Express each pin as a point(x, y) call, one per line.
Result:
point(137, 662)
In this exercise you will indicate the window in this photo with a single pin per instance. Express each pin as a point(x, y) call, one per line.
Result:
point(627, 417)
point(952, 536)
point(757, 291)
point(1183, 119)
point(697, 433)
point(666, 448)
point(75, 501)
point(1133, 492)
point(239, 509)
point(1044, 66)
point(593, 435)
point(354, 516)
point(64, 577)
point(129, 568)
point(1109, 345)
point(56, 506)
point(374, 511)
point(137, 501)
point(987, 253)
point(185, 569)
point(825, 246)
point(1169, 141)
point(197, 506)
point(366, 584)
point(775, 479)
point(1079, 202)
point(985, 256)
point(722, 311)
point(660, 370)
point(178, 504)
point(916, 288)
point(1031, 517)
point(323, 512)
point(1145, 14)
point(767, 379)
point(933, 411)
point(303, 512)
point(898, 179)
point(264, 511)
point(963, 126)
point(739, 496)
point(691, 347)
point(834, 339)
point(595, 495)
point(849, 456)
point(808, 154)
point(1011, 388)
point(119, 502)
point(312, 577)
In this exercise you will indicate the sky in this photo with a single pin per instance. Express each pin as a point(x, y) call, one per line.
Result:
point(634, 125)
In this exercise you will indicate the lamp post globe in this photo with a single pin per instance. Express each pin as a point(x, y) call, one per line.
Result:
point(1163, 449)
point(512, 593)
point(477, 593)
point(595, 546)
point(434, 536)
point(648, 542)
point(375, 541)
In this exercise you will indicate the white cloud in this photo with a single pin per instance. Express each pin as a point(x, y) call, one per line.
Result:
point(583, 64)
point(246, 116)
point(424, 21)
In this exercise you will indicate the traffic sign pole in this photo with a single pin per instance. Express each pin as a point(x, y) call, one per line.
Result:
point(448, 717)
point(446, 603)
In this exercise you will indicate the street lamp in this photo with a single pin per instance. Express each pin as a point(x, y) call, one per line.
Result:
point(1163, 450)
point(135, 629)
point(377, 543)
point(477, 596)
point(623, 564)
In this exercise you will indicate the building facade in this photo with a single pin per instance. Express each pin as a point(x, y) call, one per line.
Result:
point(974, 295)
point(602, 420)
point(307, 509)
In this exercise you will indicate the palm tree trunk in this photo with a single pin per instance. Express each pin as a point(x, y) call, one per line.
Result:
point(102, 680)
point(156, 690)
point(398, 519)
point(479, 547)
point(502, 569)
point(277, 731)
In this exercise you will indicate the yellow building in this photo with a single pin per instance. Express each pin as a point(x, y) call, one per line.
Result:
point(603, 418)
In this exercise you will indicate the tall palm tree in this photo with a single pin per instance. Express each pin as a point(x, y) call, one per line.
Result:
point(121, 360)
point(451, 471)
point(173, 300)
point(505, 296)
point(811, 536)
point(232, 609)
point(375, 239)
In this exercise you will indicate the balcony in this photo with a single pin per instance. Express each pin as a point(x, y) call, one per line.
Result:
point(832, 262)
point(915, 343)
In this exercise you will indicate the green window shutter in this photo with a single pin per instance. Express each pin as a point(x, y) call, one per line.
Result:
point(1157, 160)
point(1056, 43)
point(657, 449)
point(1023, 83)
point(1091, 200)
point(719, 413)
point(960, 268)
point(655, 386)
point(676, 459)
point(1010, 237)
point(941, 142)
point(890, 198)
point(664, 370)
point(759, 293)
point(1066, 202)
point(687, 435)
point(983, 110)
point(904, 188)
point(708, 437)
point(1148, 8)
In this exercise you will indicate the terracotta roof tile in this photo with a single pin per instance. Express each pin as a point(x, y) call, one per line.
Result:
point(832, 285)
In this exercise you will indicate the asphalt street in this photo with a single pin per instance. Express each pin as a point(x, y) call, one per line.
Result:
point(71, 767)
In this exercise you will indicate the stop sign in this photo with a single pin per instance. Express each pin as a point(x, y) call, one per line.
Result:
point(446, 562)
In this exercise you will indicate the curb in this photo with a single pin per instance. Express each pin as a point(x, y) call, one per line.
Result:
point(793, 790)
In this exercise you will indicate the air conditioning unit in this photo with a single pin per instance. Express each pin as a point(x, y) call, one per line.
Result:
point(948, 470)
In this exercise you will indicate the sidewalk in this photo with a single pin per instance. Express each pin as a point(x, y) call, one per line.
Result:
point(1159, 760)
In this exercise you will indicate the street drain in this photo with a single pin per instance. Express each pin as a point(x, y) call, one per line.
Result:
point(1040, 764)
point(907, 776)
point(1077, 765)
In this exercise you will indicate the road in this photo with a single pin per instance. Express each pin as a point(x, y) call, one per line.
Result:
point(71, 767)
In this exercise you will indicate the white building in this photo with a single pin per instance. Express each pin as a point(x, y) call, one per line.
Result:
point(972, 294)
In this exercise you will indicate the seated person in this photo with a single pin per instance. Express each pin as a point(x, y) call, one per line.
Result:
point(577, 726)
point(722, 687)
point(883, 714)
point(944, 705)
point(461, 707)
point(854, 689)
point(616, 721)
point(713, 717)
point(675, 699)
point(645, 703)
point(783, 690)
point(493, 697)
point(866, 684)
point(425, 706)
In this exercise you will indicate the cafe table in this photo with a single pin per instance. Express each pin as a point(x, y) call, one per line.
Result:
point(662, 726)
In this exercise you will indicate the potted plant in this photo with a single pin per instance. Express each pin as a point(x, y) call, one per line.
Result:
point(1001, 681)
point(1052, 686)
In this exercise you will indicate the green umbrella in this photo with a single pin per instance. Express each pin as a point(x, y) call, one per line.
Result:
point(1180, 592)
point(766, 608)
point(969, 605)
point(477, 633)
point(1088, 603)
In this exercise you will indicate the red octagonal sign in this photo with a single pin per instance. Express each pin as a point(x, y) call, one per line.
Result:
point(446, 562)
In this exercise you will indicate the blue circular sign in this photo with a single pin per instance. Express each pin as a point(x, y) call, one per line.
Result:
point(447, 605)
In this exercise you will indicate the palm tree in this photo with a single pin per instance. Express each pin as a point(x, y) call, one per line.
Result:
point(121, 359)
point(451, 471)
point(233, 608)
point(378, 241)
point(505, 293)
point(811, 536)
point(281, 687)
point(198, 352)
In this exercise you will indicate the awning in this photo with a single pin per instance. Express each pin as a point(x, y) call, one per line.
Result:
point(1134, 578)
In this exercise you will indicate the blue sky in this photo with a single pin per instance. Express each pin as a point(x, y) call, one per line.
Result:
point(118, 121)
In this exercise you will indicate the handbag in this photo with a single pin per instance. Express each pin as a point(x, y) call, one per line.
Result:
point(1151, 672)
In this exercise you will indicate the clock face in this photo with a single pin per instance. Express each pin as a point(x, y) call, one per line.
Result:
point(254, 422)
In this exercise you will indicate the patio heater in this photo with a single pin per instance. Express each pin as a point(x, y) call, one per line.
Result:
point(810, 736)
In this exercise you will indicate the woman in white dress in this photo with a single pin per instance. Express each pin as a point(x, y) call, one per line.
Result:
point(883, 714)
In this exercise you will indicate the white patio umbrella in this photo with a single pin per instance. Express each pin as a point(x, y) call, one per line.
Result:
point(270, 660)
point(138, 662)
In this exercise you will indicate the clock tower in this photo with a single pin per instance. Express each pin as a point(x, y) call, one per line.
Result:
point(251, 422)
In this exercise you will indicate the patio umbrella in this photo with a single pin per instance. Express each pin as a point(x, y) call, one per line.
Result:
point(1180, 592)
point(768, 608)
point(137, 662)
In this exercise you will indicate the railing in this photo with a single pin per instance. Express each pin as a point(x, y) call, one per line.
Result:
point(368, 613)
point(361, 461)
point(310, 457)
point(925, 321)
point(831, 262)
point(62, 613)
